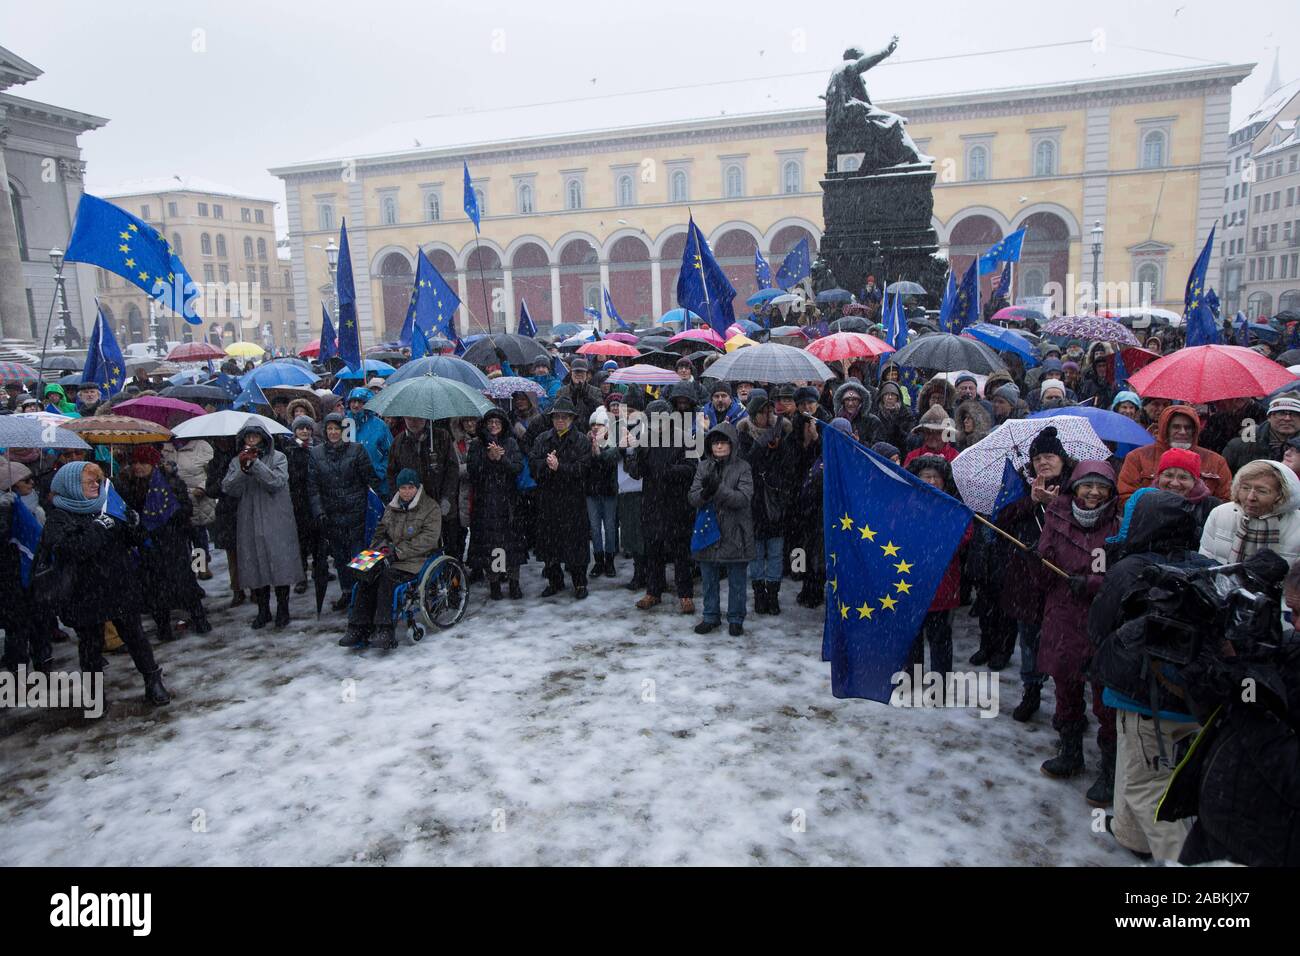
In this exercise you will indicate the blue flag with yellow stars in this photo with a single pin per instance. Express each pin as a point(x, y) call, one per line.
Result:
point(1003, 289)
point(419, 344)
point(526, 324)
point(1199, 320)
point(796, 266)
point(613, 312)
point(433, 304)
point(471, 200)
point(1004, 250)
point(113, 239)
point(329, 345)
point(949, 302)
point(762, 271)
point(889, 538)
point(104, 363)
point(349, 347)
point(702, 286)
point(966, 310)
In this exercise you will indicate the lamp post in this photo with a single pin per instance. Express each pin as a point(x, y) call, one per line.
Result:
point(61, 330)
point(332, 255)
point(1097, 233)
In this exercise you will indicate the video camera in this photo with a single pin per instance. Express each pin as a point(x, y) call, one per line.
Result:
point(1183, 607)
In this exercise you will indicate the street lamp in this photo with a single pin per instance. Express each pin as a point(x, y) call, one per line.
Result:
point(1097, 233)
point(332, 255)
point(61, 331)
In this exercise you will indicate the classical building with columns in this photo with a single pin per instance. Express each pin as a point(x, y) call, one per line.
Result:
point(42, 173)
point(566, 213)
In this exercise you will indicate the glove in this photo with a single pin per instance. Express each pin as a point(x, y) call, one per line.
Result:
point(105, 521)
point(132, 517)
point(1078, 585)
point(710, 483)
point(7, 499)
point(445, 505)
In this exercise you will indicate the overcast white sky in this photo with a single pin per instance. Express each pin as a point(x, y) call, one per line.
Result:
point(279, 82)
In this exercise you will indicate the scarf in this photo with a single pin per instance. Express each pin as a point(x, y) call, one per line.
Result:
point(160, 502)
point(1086, 518)
point(1256, 534)
point(67, 490)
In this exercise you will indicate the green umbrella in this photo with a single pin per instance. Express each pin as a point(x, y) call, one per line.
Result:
point(427, 396)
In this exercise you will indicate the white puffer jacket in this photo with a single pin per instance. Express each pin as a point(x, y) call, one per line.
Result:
point(191, 463)
point(1219, 538)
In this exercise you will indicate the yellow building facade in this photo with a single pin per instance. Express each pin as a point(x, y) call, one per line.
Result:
point(1141, 157)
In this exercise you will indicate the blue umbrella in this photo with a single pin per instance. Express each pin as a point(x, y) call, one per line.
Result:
point(748, 326)
point(442, 366)
point(278, 373)
point(73, 379)
point(834, 296)
point(678, 316)
point(564, 330)
point(1109, 426)
point(1002, 340)
point(763, 297)
point(190, 376)
point(294, 360)
point(368, 367)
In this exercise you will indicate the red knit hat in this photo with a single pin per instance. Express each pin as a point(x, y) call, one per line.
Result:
point(146, 455)
point(1182, 458)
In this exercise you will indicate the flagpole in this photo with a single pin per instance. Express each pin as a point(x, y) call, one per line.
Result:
point(483, 280)
point(708, 306)
point(1020, 544)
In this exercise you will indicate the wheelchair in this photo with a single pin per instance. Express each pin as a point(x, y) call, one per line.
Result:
point(435, 599)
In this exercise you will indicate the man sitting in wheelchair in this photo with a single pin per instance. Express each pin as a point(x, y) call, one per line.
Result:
point(407, 534)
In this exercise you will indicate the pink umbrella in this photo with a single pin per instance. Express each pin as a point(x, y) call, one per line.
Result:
point(700, 335)
point(627, 338)
point(643, 375)
point(606, 347)
point(167, 412)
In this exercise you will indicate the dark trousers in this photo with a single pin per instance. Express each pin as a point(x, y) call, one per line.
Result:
point(1072, 707)
point(372, 602)
point(555, 573)
point(27, 641)
point(936, 630)
point(997, 631)
point(657, 556)
point(343, 545)
point(90, 645)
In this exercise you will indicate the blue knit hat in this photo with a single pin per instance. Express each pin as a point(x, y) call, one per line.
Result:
point(1126, 396)
point(408, 476)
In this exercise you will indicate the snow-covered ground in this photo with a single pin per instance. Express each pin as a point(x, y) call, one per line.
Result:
point(535, 732)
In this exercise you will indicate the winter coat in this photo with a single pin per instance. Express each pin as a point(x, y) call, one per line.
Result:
point(494, 519)
point(667, 518)
point(1239, 452)
point(895, 426)
point(941, 386)
point(99, 580)
point(1222, 427)
point(521, 426)
point(803, 519)
point(191, 462)
point(867, 428)
point(602, 472)
point(769, 464)
point(731, 499)
point(267, 534)
point(163, 555)
point(983, 418)
point(735, 414)
point(15, 600)
point(947, 596)
point(226, 506)
point(460, 442)
point(373, 435)
point(338, 484)
point(1140, 464)
point(586, 399)
point(299, 457)
point(433, 459)
point(412, 531)
point(947, 453)
point(563, 534)
point(1219, 537)
point(1023, 519)
point(1064, 647)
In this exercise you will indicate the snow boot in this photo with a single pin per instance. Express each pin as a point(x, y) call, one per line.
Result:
point(554, 581)
point(981, 656)
point(707, 627)
point(494, 589)
point(647, 602)
point(735, 629)
point(385, 639)
point(610, 570)
point(597, 564)
point(580, 586)
point(163, 622)
point(154, 691)
point(355, 637)
point(773, 597)
point(760, 597)
point(638, 575)
point(282, 607)
point(300, 587)
point(516, 592)
point(1102, 791)
point(343, 602)
point(237, 599)
point(1068, 761)
point(199, 621)
point(263, 596)
point(1029, 703)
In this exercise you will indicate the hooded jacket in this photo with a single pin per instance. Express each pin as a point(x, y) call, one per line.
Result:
point(1219, 537)
point(768, 453)
point(939, 385)
point(983, 419)
point(1139, 469)
point(372, 435)
point(731, 497)
point(867, 428)
point(494, 510)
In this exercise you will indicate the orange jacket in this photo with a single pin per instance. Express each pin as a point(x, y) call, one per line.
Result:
point(1139, 470)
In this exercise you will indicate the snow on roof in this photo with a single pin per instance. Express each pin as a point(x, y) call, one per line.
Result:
point(176, 184)
point(1271, 105)
point(894, 82)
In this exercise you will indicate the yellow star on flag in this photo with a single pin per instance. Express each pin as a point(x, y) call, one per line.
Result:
point(846, 523)
point(144, 276)
point(125, 235)
point(887, 603)
point(130, 263)
point(133, 227)
point(834, 558)
point(902, 567)
point(890, 549)
point(865, 611)
point(903, 587)
point(835, 585)
point(867, 533)
point(123, 248)
point(844, 611)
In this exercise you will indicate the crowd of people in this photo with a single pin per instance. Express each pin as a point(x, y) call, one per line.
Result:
point(556, 474)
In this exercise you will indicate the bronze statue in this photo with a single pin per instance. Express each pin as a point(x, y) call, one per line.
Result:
point(855, 125)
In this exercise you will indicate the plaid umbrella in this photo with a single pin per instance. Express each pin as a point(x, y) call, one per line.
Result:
point(17, 372)
point(41, 430)
point(978, 470)
point(118, 430)
point(1090, 328)
point(643, 375)
point(506, 385)
point(770, 363)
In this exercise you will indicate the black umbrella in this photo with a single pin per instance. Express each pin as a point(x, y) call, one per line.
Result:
point(63, 363)
point(943, 352)
point(654, 330)
point(653, 342)
point(197, 393)
point(687, 346)
point(1289, 357)
point(1287, 315)
point(520, 351)
point(659, 359)
point(851, 323)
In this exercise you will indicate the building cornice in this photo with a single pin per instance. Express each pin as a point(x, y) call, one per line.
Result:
point(48, 115)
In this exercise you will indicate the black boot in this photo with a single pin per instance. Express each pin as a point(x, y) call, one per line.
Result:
point(760, 597)
point(154, 691)
point(981, 656)
point(1068, 761)
point(494, 588)
point(164, 624)
point(385, 639)
point(1102, 791)
point(344, 600)
point(773, 597)
point(610, 571)
point(356, 636)
point(580, 586)
point(1028, 705)
point(263, 618)
point(554, 584)
point(282, 607)
point(199, 621)
point(516, 592)
point(598, 564)
point(638, 575)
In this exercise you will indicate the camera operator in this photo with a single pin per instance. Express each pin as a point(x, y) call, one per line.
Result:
point(1152, 719)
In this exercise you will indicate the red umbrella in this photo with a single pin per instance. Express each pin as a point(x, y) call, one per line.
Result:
point(195, 352)
point(848, 345)
point(1208, 373)
point(311, 349)
point(606, 347)
point(168, 412)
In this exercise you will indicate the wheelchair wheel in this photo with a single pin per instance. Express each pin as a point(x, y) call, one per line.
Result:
point(443, 593)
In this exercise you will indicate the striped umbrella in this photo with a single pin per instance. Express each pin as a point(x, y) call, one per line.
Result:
point(17, 372)
point(643, 375)
point(118, 430)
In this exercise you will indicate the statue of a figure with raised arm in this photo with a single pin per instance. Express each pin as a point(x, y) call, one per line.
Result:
point(855, 125)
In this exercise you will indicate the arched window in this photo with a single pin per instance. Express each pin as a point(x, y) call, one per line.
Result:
point(525, 199)
point(16, 203)
point(625, 190)
point(390, 211)
point(325, 217)
point(221, 245)
point(481, 200)
point(1259, 305)
point(176, 244)
point(791, 177)
point(205, 244)
point(248, 247)
point(573, 195)
point(733, 182)
point(433, 208)
point(977, 163)
point(1148, 282)
point(1032, 281)
point(1153, 149)
point(680, 186)
point(261, 248)
point(1045, 158)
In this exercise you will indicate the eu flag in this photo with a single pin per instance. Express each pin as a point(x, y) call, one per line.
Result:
point(419, 344)
point(1241, 336)
point(113, 239)
point(329, 346)
point(471, 200)
point(1212, 300)
point(374, 513)
point(1013, 487)
point(762, 271)
point(349, 335)
point(796, 267)
point(895, 320)
point(25, 535)
point(104, 363)
point(1199, 320)
point(526, 324)
point(1004, 250)
point(613, 312)
point(967, 309)
point(949, 303)
point(1003, 289)
point(702, 286)
point(113, 504)
point(433, 304)
point(889, 538)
